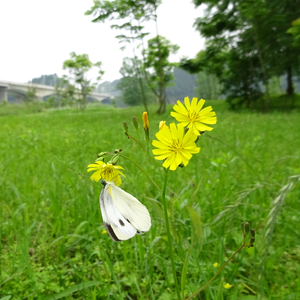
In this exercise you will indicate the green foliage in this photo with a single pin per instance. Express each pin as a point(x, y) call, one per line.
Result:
point(208, 86)
point(52, 102)
point(78, 67)
point(133, 14)
point(4, 102)
point(52, 240)
point(295, 31)
point(30, 95)
point(156, 57)
point(130, 83)
point(275, 86)
point(247, 45)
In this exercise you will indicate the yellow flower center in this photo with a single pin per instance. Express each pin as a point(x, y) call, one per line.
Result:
point(193, 116)
point(176, 146)
point(108, 171)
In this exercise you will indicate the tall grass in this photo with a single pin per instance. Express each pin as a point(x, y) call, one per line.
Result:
point(52, 240)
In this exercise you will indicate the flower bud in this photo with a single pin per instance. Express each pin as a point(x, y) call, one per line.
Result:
point(252, 240)
point(118, 150)
point(162, 124)
point(114, 160)
point(146, 125)
point(101, 154)
point(243, 227)
point(252, 232)
point(100, 159)
point(145, 121)
point(125, 127)
point(247, 227)
point(135, 123)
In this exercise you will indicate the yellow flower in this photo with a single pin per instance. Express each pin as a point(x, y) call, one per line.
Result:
point(193, 115)
point(162, 124)
point(105, 171)
point(174, 146)
point(104, 231)
point(227, 286)
point(216, 265)
point(145, 120)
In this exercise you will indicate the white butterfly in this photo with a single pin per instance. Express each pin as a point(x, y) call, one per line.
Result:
point(123, 215)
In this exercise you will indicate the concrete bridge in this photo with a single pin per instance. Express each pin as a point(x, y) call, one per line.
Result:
point(17, 91)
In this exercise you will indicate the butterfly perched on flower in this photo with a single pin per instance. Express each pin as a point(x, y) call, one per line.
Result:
point(123, 215)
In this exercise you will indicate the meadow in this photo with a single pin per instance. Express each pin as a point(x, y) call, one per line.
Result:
point(53, 244)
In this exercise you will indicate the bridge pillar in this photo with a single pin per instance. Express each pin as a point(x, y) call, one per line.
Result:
point(3, 93)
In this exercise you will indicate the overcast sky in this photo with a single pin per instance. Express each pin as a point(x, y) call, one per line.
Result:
point(38, 35)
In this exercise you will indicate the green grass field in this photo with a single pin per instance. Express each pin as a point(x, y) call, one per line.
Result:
point(52, 241)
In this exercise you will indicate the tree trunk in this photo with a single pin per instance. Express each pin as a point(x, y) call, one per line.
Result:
point(143, 94)
point(162, 105)
point(290, 88)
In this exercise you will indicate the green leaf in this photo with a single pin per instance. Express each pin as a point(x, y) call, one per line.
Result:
point(196, 220)
point(73, 289)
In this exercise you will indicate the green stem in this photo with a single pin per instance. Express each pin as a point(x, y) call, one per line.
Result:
point(154, 183)
point(138, 141)
point(147, 151)
point(207, 283)
point(170, 241)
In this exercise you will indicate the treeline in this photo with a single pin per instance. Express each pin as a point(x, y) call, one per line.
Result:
point(251, 44)
point(127, 88)
point(50, 80)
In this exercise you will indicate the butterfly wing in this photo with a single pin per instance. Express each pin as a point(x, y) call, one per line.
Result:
point(131, 209)
point(116, 225)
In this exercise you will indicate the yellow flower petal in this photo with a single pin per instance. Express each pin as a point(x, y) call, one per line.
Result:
point(159, 144)
point(169, 160)
point(180, 108)
point(163, 156)
point(203, 127)
point(211, 120)
point(180, 117)
point(187, 103)
point(194, 103)
point(199, 105)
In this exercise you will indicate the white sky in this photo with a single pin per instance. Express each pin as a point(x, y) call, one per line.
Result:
point(38, 35)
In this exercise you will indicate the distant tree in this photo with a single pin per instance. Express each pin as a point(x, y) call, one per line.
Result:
point(78, 67)
point(50, 80)
point(156, 59)
point(183, 85)
point(30, 95)
point(108, 87)
point(248, 44)
point(129, 84)
point(134, 14)
point(65, 93)
point(207, 86)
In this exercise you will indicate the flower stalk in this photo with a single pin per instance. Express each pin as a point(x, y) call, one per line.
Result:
point(170, 240)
